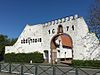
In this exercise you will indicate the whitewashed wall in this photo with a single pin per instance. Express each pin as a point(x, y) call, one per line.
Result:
point(80, 36)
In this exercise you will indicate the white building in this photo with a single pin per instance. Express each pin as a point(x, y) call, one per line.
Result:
point(66, 38)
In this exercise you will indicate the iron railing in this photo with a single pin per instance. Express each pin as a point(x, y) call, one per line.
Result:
point(46, 69)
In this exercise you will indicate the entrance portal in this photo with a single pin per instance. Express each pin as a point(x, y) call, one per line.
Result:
point(61, 47)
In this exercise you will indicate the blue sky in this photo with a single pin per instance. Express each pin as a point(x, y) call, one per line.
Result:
point(15, 14)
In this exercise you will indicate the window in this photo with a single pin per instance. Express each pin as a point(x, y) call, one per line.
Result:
point(60, 29)
point(53, 31)
point(49, 31)
point(65, 52)
point(40, 40)
point(59, 51)
point(26, 41)
point(31, 40)
point(67, 28)
point(35, 40)
point(23, 41)
point(72, 27)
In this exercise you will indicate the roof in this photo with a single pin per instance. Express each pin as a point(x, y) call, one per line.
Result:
point(63, 39)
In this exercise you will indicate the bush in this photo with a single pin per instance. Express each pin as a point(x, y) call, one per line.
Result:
point(87, 63)
point(36, 57)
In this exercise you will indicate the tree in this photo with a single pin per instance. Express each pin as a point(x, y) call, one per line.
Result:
point(94, 18)
point(5, 41)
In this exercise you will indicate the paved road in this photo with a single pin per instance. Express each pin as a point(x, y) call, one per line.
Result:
point(46, 70)
point(7, 74)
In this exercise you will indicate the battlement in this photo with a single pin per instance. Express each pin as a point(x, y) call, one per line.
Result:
point(62, 20)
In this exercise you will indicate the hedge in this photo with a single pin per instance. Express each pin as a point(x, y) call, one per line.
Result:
point(36, 57)
point(87, 63)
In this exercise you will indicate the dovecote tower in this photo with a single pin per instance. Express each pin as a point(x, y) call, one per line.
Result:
point(59, 40)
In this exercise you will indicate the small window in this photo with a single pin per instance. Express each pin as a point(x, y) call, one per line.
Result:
point(23, 41)
point(67, 28)
point(72, 27)
point(65, 52)
point(35, 40)
point(60, 29)
point(49, 31)
point(26, 41)
point(40, 40)
point(53, 31)
point(31, 40)
point(59, 51)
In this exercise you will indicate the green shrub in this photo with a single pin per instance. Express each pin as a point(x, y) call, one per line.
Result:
point(36, 57)
point(86, 63)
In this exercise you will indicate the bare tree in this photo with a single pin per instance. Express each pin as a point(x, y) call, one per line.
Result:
point(94, 18)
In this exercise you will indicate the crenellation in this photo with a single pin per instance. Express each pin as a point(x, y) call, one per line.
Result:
point(43, 25)
point(52, 22)
point(76, 16)
point(46, 24)
point(49, 23)
point(67, 19)
point(71, 18)
point(59, 21)
point(56, 22)
point(63, 20)
point(27, 25)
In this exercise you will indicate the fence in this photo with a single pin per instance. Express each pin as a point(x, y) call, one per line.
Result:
point(46, 69)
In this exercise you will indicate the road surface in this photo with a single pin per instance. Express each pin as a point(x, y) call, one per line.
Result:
point(7, 74)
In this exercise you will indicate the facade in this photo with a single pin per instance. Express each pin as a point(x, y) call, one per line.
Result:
point(58, 40)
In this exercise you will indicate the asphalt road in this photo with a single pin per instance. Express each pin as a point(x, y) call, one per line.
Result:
point(7, 74)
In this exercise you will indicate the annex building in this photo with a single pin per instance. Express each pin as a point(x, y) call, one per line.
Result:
point(59, 40)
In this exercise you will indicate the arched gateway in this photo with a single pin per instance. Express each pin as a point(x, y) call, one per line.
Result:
point(61, 47)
